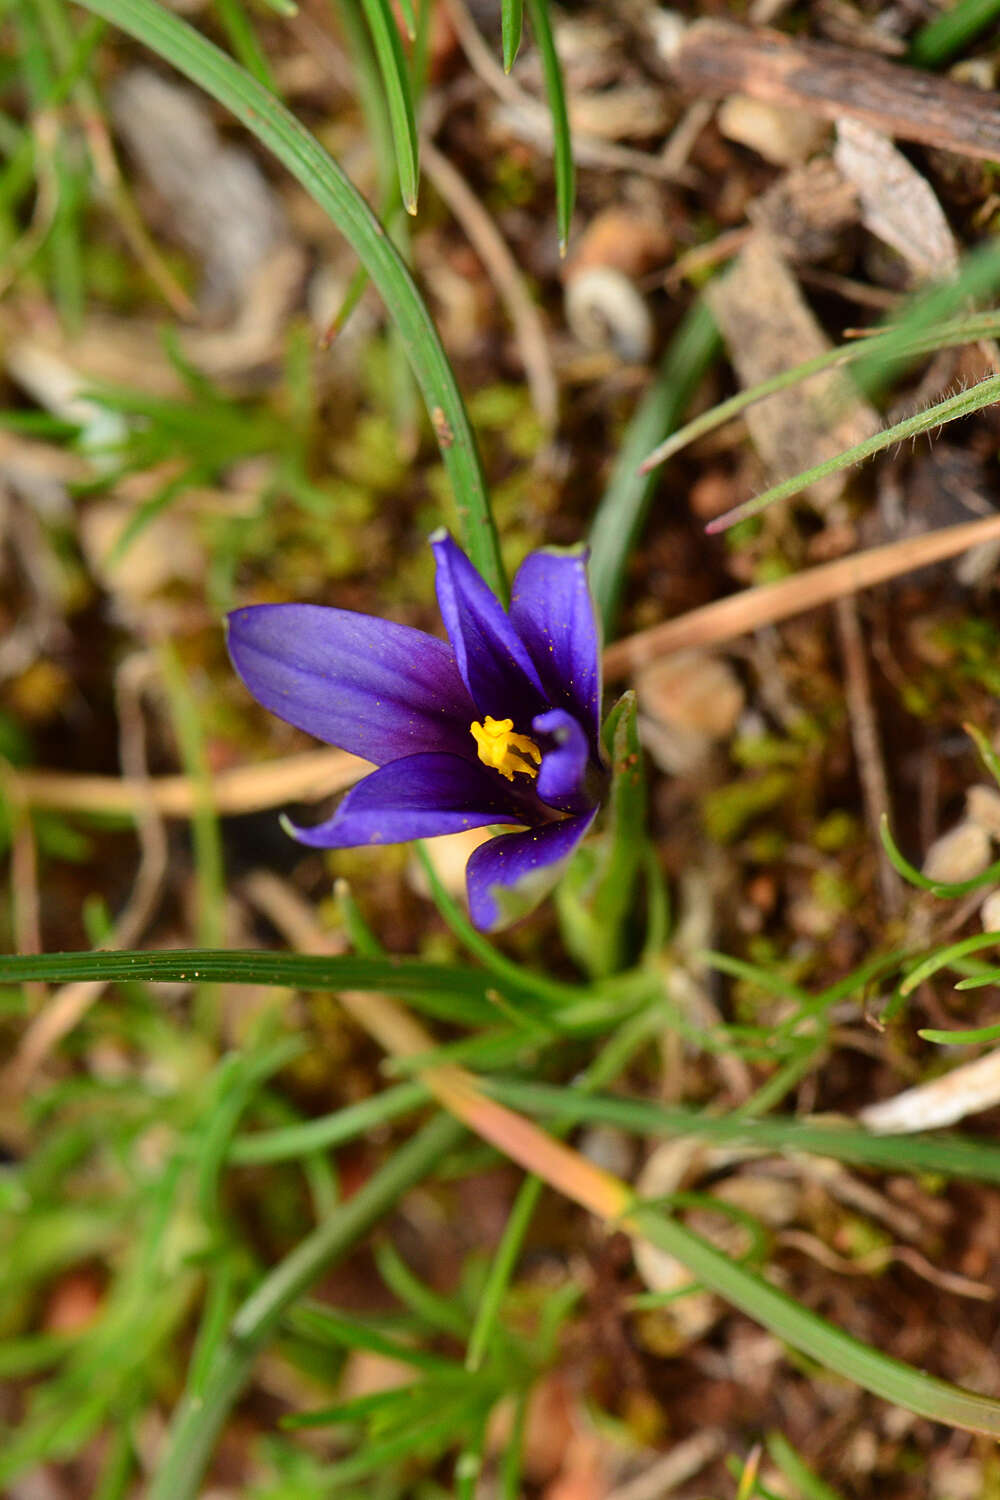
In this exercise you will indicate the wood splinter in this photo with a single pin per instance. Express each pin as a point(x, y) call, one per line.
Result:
point(719, 58)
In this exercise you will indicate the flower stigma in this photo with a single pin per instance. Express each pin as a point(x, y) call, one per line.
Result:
point(498, 746)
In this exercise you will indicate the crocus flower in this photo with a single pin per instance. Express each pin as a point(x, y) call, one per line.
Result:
point(500, 725)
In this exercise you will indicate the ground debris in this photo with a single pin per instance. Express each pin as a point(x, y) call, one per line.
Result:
point(768, 328)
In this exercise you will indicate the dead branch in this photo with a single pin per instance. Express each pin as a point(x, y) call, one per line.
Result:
point(718, 58)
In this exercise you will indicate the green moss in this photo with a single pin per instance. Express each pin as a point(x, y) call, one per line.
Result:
point(513, 182)
point(727, 810)
point(833, 892)
point(920, 699)
point(766, 846)
point(857, 1237)
point(370, 456)
point(975, 644)
point(772, 568)
point(506, 410)
point(837, 831)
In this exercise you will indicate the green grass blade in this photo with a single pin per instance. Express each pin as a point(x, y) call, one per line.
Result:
point(208, 857)
point(985, 393)
point(944, 889)
point(981, 980)
point(619, 517)
point(813, 1336)
point(979, 1036)
point(949, 1155)
point(794, 1467)
point(943, 958)
point(433, 1435)
point(943, 38)
point(330, 1328)
point(291, 1142)
point(205, 65)
point(459, 991)
point(895, 343)
point(396, 81)
point(409, 17)
point(438, 1312)
point(368, 87)
point(201, 1415)
point(501, 1270)
point(480, 947)
point(243, 40)
point(511, 27)
point(556, 94)
point(144, 514)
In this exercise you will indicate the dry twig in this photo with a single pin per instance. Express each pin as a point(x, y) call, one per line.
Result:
point(725, 619)
point(496, 255)
point(867, 744)
point(718, 58)
point(298, 778)
point(69, 1005)
point(529, 118)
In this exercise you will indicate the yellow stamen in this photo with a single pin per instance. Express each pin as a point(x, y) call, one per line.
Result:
point(498, 746)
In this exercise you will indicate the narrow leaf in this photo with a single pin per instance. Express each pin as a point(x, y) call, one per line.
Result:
point(812, 1335)
point(950, 32)
point(962, 405)
point(409, 17)
point(894, 343)
point(396, 80)
point(208, 67)
point(511, 24)
point(556, 93)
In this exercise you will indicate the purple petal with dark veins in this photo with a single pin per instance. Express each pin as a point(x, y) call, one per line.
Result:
point(552, 611)
point(377, 689)
point(561, 775)
point(417, 797)
point(509, 876)
point(493, 662)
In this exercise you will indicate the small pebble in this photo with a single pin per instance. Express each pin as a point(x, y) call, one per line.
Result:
point(784, 137)
point(982, 806)
point(960, 854)
point(606, 311)
point(989, 912)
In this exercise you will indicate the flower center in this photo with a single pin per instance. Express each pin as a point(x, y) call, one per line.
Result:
point(498, 746)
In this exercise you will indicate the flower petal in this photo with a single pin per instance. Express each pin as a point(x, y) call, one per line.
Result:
point(417, 797)
point(509, 876)
point(552, 611)
point(377, 689)
point(494, 664)
point(563, 768)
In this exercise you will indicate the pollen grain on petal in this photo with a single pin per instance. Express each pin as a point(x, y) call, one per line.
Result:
point(499, 747)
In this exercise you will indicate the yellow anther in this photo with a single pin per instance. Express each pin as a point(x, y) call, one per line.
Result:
point(498, 746)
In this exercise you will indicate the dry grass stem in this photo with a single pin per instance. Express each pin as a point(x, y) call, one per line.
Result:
point(401, 1035)
point(70, 1003)
point(867, 744)
point(966, 1090)
point(726, 619)
point(494, 252)
point(298, 778)
point(529, 118)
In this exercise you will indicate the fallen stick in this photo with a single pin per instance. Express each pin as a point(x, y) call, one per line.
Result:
point(726, 619)
point(719, 58)
point(245, 789)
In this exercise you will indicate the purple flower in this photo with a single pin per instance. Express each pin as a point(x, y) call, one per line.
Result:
point(498, 725)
